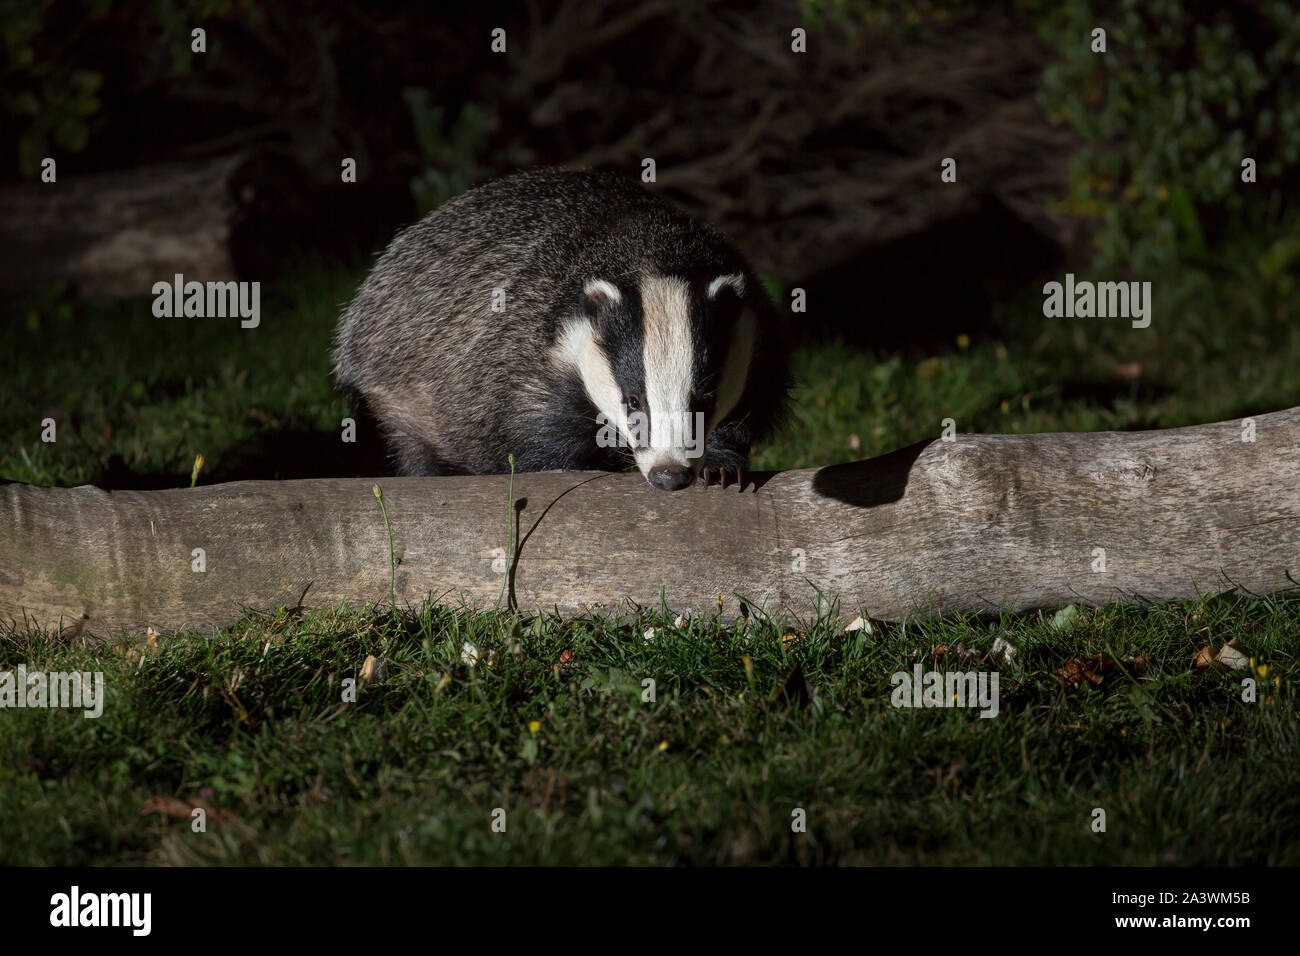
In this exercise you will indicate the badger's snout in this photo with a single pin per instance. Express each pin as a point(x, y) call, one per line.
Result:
point(670, 477)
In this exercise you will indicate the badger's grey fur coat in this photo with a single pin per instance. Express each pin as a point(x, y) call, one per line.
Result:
point(456, 386)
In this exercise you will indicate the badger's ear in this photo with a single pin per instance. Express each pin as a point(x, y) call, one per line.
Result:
point(600, 298)
point(730, 284)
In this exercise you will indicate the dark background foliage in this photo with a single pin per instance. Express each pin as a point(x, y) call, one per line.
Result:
point(824, 168)
point(744, 132)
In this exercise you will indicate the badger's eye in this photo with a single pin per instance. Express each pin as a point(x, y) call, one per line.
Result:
point(633, 404)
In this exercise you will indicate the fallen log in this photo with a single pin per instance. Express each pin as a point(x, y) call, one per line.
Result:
point(979, 524)
point(116, 234)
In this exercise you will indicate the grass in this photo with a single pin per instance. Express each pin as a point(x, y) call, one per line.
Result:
point(550, 722)
point(137, 397)
point(552, 725)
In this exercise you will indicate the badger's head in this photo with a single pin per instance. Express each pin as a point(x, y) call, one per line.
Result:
point(664, 359)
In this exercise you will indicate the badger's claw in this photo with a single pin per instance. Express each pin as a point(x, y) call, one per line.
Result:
point(722, 476)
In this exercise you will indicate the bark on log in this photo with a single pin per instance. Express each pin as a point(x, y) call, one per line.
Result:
point(981, 524)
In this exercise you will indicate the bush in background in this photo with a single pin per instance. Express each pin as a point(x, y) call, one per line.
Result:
point(1184, 92)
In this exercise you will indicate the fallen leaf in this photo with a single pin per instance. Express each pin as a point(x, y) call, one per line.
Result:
point(1090, 670)
point(372, 670)
point(1065, 618)
point(1093, 670)
point(165, 806)
point(1003, 652)
point(1230, 658)
point(1138, 664)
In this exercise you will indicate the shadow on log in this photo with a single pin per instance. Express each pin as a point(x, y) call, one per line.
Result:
point(978, 525)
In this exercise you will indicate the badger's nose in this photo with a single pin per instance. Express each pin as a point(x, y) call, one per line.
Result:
point(670, 477)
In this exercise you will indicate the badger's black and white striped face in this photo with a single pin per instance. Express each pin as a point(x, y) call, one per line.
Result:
point(664, 360)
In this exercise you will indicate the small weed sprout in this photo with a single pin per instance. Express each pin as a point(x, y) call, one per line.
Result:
point(392, 560)
point(510, 530)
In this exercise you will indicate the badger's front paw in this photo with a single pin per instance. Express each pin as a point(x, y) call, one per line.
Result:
point(725, 461)
point(722, 476)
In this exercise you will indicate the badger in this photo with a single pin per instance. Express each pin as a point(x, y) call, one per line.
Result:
point(571, 319)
